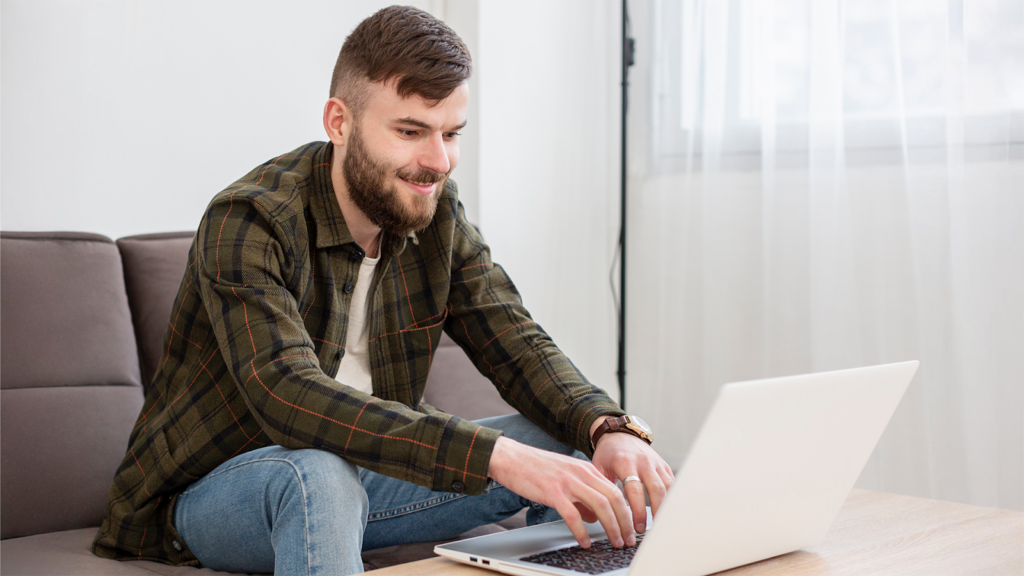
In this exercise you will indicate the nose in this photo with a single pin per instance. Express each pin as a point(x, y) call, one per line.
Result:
point(434, 155)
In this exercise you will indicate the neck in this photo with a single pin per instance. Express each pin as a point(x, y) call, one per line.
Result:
point(364, 232)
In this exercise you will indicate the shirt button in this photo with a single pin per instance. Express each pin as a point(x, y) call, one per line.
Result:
point(341, 354)
point(356, 254)
point(348, 287)
point(176, 545)
point(458, 486)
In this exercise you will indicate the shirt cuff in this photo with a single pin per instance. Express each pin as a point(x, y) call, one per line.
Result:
point(464, 457)
point(583, 415)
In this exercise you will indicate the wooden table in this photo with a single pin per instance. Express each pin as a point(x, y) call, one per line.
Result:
point(875, 533)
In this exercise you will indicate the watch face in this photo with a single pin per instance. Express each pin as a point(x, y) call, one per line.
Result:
point(640, 424)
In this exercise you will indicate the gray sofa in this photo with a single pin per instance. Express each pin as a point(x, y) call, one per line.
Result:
point(82, 326)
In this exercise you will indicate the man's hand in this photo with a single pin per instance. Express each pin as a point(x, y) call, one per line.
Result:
point(618, 456)
point(573, 487)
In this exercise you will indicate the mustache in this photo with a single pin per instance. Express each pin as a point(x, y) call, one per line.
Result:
point(421, 177)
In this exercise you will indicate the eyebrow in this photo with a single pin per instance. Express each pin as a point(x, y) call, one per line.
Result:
point(424, 125)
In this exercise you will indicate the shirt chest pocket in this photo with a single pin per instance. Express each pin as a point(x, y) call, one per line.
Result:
point(410, 351)
point(413, 310)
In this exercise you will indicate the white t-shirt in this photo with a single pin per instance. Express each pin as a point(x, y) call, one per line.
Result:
point(355, 364)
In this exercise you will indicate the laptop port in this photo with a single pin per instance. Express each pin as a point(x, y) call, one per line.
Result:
point(471, 559)
point(487, 562)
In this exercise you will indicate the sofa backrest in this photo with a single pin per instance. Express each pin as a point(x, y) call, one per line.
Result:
point(154, 267)
point(455, 386)
point(70, 386)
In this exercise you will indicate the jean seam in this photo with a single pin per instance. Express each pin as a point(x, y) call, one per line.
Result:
point(305, 515)
point(424, 505)
point(419, 507)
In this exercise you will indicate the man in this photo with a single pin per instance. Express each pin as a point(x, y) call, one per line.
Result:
point(349, 258)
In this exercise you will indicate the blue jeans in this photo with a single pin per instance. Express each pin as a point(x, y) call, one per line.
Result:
point(312, 512)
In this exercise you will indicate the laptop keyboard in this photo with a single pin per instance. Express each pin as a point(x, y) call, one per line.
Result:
point(601, 557)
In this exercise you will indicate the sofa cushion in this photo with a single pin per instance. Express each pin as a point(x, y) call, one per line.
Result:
point(65, 312)
point(61, 447)
point(154, 265)
point(70, 553)
point(70, 387)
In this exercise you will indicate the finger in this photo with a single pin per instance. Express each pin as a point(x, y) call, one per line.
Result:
point(606, 514)
point(656, 489)
point(574, 521)
point(634, 490)
point(623, 515)
point(666, 472)
point(621, 511)
point(667, 478)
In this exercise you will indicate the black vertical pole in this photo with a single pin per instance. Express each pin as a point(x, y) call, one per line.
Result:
point(627, 61)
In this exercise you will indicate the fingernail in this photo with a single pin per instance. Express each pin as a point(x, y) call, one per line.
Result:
point(641, 528)
point(586, 543)
point(632, 540)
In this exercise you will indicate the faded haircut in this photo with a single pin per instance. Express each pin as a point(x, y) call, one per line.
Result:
point(405, 45)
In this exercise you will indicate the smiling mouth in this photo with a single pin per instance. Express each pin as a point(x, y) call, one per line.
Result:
point(423, 189)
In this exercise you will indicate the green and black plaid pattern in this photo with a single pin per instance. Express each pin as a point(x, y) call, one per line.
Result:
point(258, 329)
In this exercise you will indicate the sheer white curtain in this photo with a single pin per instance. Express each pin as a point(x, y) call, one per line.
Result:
point(819, 184)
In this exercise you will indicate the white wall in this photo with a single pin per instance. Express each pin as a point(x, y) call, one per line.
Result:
point(549, 165)
point(123, 117)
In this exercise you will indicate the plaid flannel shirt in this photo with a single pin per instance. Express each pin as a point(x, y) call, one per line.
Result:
point(257, 331)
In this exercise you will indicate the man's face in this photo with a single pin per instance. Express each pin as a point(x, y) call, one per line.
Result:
point(399, 155)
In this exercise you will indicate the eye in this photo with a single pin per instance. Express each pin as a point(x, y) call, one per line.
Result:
point(452, 135)
point(407, 133)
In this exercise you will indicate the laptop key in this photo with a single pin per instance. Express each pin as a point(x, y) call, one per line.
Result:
point(601, 557)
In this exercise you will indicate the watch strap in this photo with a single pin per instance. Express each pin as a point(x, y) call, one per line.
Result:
point(617, 424)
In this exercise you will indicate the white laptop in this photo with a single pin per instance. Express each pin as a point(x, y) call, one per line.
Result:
point(767, 474)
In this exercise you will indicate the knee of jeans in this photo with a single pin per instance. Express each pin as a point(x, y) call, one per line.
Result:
point(324, 480)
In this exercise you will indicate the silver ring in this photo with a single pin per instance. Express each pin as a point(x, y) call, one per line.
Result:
point(631, 479)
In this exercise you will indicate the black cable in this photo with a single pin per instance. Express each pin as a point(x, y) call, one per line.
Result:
point(628, 53)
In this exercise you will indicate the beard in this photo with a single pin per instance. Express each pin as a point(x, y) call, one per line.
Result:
point(383, 205)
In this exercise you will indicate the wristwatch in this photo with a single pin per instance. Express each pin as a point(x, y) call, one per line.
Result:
point(628, 424)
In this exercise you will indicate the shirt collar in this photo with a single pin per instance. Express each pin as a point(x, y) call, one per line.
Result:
point(331, 229)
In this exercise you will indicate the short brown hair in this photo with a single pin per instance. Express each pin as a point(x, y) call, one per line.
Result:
point(402, 43)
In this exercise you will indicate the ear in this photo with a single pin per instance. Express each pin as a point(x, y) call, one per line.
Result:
point(337, 121)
